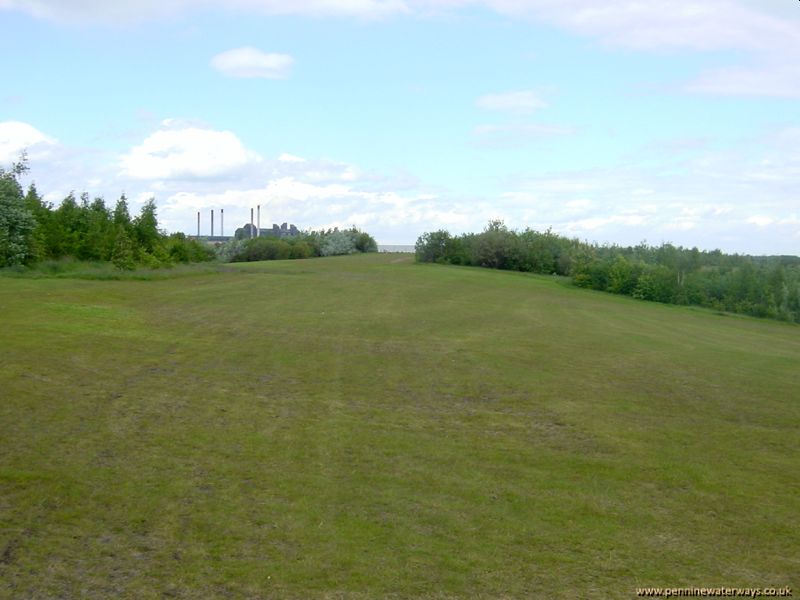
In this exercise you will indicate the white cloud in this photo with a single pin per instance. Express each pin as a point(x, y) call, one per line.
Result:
point(387, 215)
point(143, 10)
point(317, 171)
point(761, 220)
point(291, 158)
point(516, 134)
point(335, 172)
point(701, 24)
point(322, 8)
point(523, 101)
point(578, 206)
point(741, 198)
point(594, 223)
point(187, 152)
point(769, 33)
point(697, 24)
point(252, 63)
point(768, 79)
point(681, 224)
point(16, 136)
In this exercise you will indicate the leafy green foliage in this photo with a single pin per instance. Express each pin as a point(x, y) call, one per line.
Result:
point(338, 243)
point(33, 230)
point(17, 222)
point(182, 249)
point(363, 241)
point(263, 248)
point(145, 227)
point(308, 244)
point(122, 257)
point(432, 247)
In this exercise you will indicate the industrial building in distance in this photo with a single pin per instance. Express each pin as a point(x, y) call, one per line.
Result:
point(251, 231)
point(248, 230)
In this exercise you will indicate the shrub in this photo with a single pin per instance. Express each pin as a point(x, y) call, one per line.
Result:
point(432, 247)
point(338, 242)
point(365, 242)
point(301, 249)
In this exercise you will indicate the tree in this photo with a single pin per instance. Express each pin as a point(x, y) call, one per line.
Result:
point(17, 223)
point(432, 246)
point(64, 235)
point(621, 279)
point(495, 248)
point(645, 288)
point(122, 257)
point(535, 252)
point(364, 241)
point(41, 212)
point(121, 215)
point(338, 242)
point(145, 227)
point(762, 286)
point(97, 242)
point(580, 265)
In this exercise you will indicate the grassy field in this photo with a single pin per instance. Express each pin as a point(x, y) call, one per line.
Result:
point(365, 427)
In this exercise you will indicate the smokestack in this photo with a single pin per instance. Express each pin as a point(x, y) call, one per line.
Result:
point(212, 222)
point(222, 222)
point(198, 223)
point(251, 223)
point(258, 227)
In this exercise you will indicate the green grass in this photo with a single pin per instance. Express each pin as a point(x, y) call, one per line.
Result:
point(67, 268)
point(365, 427)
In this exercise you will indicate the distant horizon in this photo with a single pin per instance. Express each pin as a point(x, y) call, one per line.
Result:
point(411, 245)
point(206, 224)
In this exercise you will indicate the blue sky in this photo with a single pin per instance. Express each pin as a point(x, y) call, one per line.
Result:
point(615, 122)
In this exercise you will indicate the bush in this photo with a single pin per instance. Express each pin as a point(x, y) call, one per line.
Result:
point(263, 248)
point(301, 249)
point(17, 222)
point(306, 245)
point(337, 243)
point(432, 247)
point(365, 242)
point(181, 249)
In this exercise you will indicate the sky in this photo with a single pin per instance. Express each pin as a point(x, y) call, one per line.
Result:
point(614, 121)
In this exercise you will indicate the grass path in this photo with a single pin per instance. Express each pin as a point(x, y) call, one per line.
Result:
point(359, 427)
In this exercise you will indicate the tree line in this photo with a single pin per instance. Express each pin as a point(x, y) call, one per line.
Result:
point(761, 286)
point(32, 230)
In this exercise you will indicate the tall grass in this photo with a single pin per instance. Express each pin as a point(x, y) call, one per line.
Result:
point(69, 268)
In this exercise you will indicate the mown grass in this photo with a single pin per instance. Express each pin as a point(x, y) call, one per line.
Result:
point(365, 427)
